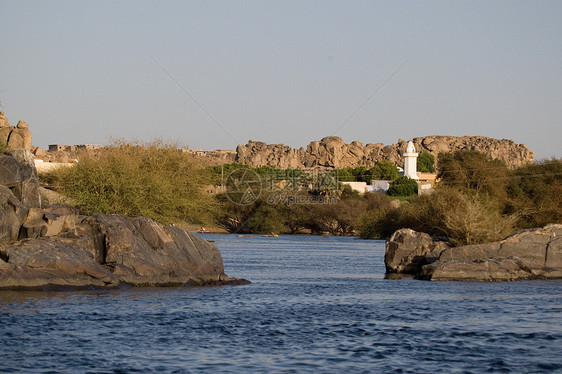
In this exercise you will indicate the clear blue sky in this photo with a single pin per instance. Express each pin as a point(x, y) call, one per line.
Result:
point(283, 71)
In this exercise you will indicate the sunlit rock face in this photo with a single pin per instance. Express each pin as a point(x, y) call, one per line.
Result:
point(333, 152)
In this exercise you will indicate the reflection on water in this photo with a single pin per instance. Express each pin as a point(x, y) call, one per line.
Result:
point(315, 305)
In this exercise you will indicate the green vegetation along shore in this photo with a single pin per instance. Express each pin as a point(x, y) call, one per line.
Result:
point(477, 199)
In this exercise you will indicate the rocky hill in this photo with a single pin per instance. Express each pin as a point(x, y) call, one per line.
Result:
point(330, 152)
point(333, 152)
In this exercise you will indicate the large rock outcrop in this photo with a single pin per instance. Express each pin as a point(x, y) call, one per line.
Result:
point(528, 254)
point(54, 246)
point(108, 251)
point(333, 152)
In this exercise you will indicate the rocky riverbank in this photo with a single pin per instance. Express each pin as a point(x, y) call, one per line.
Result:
point(527, 254)
point(56, 247)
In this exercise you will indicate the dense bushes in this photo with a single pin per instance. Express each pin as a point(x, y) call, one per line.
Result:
point(477, 200)
point(336, 216)
point(535, 193)
point(403, 186)
point(383, 170)
point(153, 180)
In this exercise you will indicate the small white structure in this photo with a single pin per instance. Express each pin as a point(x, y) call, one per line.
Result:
point(380, 186)
point(411, 161)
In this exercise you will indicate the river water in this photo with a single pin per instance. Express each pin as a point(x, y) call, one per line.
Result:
point(316, 305)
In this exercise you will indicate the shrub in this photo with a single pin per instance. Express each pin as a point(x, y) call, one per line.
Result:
point(340, 218)
point(266, 220)
point(535, 193)
point(349, 193)
point(379, 223)
point(403, 186)
point(154, 180)
point(465, 218)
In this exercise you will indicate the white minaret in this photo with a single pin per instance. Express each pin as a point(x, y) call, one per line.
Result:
point(411, 161)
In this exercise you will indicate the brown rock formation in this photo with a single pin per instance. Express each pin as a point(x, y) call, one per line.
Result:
point(3, 120)
point(332, 152)
point(528, 254)
point(15, 137)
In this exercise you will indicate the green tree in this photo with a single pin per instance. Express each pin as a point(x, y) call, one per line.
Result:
point(346, 175)
point(426, 163)
point(474, 172)
point(266, 220)
point(403, 186)
point(384, 170)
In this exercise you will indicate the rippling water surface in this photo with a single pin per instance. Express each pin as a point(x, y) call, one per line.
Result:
point(315, 305)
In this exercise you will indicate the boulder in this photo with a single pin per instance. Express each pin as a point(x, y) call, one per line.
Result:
point(26, 138)
point(15, 137)
point(39, 152)
point(527, 254)
point(3, 120)
point(143, 252)
point(4, 135)
point(22, 125)
point(18, 173)
point(15, 140)
point(407, 251)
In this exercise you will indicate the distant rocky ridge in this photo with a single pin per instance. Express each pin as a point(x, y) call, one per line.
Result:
point(330, 152)
point(333, 152)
